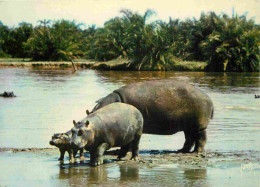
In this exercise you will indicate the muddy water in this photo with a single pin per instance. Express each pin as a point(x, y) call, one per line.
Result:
point(48, 100)
point(41, 168)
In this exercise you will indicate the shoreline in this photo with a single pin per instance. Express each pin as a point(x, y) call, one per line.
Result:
point(248, 155)
point(150, 158)
point(61, 65)
point(115, 65)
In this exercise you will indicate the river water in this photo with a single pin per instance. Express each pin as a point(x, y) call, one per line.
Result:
point(48, 100)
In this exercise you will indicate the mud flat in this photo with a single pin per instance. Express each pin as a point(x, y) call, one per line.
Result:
point(33, 166)
point(156, 157)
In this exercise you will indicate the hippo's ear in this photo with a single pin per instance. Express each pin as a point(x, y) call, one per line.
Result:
point(74, 122)
point(87, 123)
point(87, 112)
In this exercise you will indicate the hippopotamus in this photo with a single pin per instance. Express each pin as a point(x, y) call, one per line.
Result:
point(62, 141)
point(168, 107)
point(8, 94)
point(114, 125)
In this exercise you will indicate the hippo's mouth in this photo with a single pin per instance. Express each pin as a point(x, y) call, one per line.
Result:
point(52, 143)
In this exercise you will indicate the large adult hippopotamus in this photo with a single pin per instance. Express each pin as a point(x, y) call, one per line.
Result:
point(168, 107)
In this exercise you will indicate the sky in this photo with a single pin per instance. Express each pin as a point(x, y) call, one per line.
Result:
point(89, 12)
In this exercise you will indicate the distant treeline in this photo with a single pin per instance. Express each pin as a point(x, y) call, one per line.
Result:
point(227, 44)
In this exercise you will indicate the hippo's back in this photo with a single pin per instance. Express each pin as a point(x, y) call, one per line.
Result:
point(119, 113)
point(168, 106)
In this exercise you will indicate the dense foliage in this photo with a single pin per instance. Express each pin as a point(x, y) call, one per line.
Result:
point(227, 44)
point(61, 41)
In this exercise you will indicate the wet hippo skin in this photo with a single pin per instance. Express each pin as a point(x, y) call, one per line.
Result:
point(114, 125)
point(168, 107)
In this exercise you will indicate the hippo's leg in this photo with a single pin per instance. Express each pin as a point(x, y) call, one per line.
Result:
point(135, 147)
point(124, 150)
point(81, 154)
point(62, 152)
point(75, 153)
point(72, 154)
point(200, 141)
point(96, 156)
point(189, 142)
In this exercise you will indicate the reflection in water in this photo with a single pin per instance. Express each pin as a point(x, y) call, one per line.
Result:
point(130, 77)
point(82, 174)
point(97, 174)
point(41, 169)
point(129, 172)
point(120, 174)
point(222, 81)
point(195, 177)
point(51, 76)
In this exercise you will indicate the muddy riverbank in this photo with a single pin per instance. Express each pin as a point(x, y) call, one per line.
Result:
point(155, 167)
point(157, 157)
point(87, 64)
point(161, 156)
point(115, 65)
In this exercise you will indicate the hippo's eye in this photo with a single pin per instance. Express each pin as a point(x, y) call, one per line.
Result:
point(81, 132)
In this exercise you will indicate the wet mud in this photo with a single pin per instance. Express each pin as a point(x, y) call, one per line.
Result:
point(157, 157)
point(33, 166)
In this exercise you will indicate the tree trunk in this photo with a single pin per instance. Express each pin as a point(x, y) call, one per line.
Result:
point(74, 67)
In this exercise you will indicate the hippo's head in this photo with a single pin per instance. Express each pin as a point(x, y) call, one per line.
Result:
point(82, 135)
point(59, 140)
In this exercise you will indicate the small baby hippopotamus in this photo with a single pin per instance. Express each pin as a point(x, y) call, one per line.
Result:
point(62, 141)
point(115, 125)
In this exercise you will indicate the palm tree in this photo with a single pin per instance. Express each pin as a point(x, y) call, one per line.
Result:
point(62, 41)
point(235, 43)
point(135, 33)
point(44, 22)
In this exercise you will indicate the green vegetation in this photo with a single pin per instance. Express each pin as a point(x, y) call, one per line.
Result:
point(61, 41)
point(217, 42)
